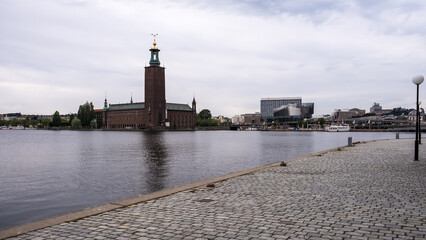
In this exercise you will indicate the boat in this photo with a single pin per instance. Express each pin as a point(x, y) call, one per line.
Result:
point(338, 128)
point(19, 127)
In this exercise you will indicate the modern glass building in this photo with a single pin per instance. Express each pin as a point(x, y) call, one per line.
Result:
point(267, 106)
point(294, 112)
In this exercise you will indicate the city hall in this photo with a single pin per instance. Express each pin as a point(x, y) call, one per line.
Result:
point(154, 113)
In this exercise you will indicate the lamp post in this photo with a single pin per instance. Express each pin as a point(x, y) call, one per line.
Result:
point(417, 80)
point(420, 126)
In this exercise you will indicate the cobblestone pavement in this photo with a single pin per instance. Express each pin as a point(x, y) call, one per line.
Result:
point(370, 191)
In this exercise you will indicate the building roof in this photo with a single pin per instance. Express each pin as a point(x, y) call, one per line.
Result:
point(178, 106)
point(126, 106)
point(282, 98)
point(141, 105)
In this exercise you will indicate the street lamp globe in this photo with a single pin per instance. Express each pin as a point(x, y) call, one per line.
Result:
point(418, 79)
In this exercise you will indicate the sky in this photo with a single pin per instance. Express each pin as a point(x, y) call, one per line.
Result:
point(57, 54)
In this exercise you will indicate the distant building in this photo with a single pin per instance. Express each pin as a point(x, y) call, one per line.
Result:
point(293, 112)
point(377, 109)
point(291, 109)
point(222, 119)
point(98, 117)
point(412, 115)
point(341, 115)
point(237, 119)
point(154, 113)
point(267, 106)
point(252, 119)
point(248, 119)
point(11, 116)
point(307, 110)
point(285, 109)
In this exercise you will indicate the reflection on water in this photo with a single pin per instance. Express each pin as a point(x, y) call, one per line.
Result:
point(156, 160)
point(48, 173)
point(278, 146)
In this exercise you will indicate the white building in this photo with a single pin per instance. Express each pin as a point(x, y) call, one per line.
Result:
point(238, 119)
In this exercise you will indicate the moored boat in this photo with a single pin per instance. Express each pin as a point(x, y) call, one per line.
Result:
point(19, 127)
point(338, 128)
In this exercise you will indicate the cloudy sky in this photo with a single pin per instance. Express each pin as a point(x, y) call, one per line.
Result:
point(56, 55)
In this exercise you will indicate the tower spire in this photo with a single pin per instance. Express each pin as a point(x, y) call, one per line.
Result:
point(105, 103)
point(131, 97)
point(155, 61)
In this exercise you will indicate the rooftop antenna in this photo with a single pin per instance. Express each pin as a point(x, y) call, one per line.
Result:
point(154, 35)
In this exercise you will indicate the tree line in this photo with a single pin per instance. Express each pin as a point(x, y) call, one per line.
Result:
point(83, 119)
point(204, 118)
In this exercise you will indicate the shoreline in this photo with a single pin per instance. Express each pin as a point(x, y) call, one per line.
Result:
point(221, 128)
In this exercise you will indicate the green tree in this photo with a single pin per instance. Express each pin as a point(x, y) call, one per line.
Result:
point(45, 122)
point(205, 114)
point(71, 118)
point(227, 122)
point(15, 122)
point(321, 121)
point(76, 123)
point(56, 120)
point(93, 123)
point(26, 122)
point(33, 122)
point(65, 123)
point(86, 114)
point(208, 122)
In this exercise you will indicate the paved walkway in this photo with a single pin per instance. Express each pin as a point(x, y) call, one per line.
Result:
point(370, 191)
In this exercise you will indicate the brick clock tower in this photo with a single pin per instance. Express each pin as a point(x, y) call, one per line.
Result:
point(155, 90)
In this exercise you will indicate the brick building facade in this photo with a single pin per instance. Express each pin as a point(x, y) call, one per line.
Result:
point(155, 112)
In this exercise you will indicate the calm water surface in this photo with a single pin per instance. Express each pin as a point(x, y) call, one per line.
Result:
point(48, 173)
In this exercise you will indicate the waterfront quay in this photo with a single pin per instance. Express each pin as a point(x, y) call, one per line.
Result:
point(373, 190)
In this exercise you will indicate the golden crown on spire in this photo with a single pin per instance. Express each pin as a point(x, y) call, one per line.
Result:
point(155, 44)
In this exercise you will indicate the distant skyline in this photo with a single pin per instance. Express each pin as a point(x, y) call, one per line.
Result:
point(56, 55)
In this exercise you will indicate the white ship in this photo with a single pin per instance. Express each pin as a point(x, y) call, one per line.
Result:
point(338, 128)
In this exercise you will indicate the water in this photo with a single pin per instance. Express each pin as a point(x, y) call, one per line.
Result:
point(48, 173)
